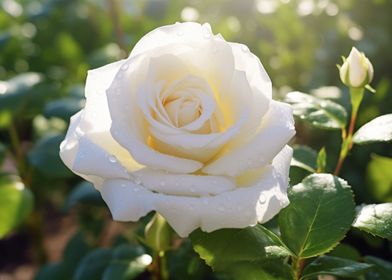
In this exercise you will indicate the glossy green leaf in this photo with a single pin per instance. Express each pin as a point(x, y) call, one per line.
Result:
point(377, 130)
point(93, 265)
point(16, 90)
point(327, 265)
point(320, 113)
point(84, 192)
point(379, 177)
point(127, 263)
point(304, 157)
point(52, 271)
point(16, 203)
point(271, 269)
point(123, 262)
point(63, 108)
point(375, 219)
point(320, 213)
point(45, 157)
point(381, 270)
point(346, 251)
point(184, 263)
point(222, 248)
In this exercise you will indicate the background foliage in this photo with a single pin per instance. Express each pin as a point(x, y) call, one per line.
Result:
point(46, 48)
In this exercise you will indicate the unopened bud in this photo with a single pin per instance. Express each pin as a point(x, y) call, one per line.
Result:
point(356, 71)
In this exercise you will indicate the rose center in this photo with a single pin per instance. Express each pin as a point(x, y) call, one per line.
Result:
point(183, 110)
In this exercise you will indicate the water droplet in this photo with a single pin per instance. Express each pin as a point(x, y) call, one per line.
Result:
point(244, 48)
point(262, 199)
point(180, 33)
point(125, 66)
point(138, 181)
point(162, 183)
point(123, 185)
point(136, 190)
point(207, 35)
point(112, 159)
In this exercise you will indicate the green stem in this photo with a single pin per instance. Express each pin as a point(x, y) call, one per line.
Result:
point(298, 267)
point(356, 95)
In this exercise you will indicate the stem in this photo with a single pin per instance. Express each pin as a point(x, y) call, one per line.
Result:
point(298, 267)
point(115, 15)
point(15, 143)
point(356, 95)
point(159, 269)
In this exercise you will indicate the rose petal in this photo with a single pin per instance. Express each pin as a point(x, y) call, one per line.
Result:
point(239, 208)
point(276, 129)
point(251, 65)
point(183, 184)
point(128, 125)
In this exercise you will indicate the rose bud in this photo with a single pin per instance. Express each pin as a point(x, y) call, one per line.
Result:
point(356, 71)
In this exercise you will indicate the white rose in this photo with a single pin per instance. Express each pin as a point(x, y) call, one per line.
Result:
point(184, 126)
point(356, 71)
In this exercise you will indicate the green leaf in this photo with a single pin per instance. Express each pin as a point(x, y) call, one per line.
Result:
point(16, 203)
point(52, 271)
point(320, 213)
point(377, 130)
point(327, 265)
point(63, 108)
point(93, 265)
point(346, 251)
point(382, 269)
point(84, 192)
point(184, 263)
point(122, 262)
point(304, 157)
point(271, 269)
point(375, 219)
point(322, 160)
point(320, 113)
point(221, 249)
point(16, 90)
point(379, 177)
point(45, 157)
point(127, 263)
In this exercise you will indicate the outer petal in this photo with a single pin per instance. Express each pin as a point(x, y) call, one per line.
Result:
point(277, 128)
point(251, 65)
point(184, 33)
point(232, 209)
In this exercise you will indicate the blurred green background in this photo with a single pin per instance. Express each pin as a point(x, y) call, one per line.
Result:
point(47, 46)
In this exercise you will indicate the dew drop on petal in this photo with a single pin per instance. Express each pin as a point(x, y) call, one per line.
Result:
point(180, 33)
point(244, 48)
point(112, 159)
point(162, 183)
point(125, 66)
point(262, 198)
point(207, 35)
